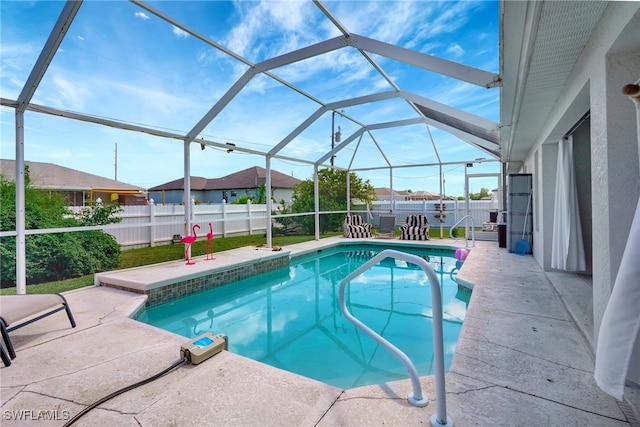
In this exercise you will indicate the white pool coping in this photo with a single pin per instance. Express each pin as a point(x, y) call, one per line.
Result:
point(520, 360)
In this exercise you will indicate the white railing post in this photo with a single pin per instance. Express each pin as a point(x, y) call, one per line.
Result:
point(249, 216)
point(440, 418)
point(152, 220)
point(473, 230)
point(224, 219)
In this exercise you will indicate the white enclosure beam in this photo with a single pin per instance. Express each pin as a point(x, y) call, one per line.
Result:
point(460, 115)
point(332, 18)
point(332, 106)
point(222, 102)
point(339, 147)
point(347, 141)
point(483, 145)
point(445, 67)
point(187, 193)
point(50, 48)
point(217, 46)
point(366, 99)
point(426, 165)
point(142, 129)
point(316, 202)
point(21, 242)
point(395, 123)
point(355, 152)
point(189, 30)
point(301, 54)
point(268, 194)
point(298, 130)
point(382, 153)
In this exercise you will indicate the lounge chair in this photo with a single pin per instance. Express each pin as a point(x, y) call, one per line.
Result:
point(416, 228)
point(386, 227)
point(354, 226)
point(5, 357)
point(21, 309)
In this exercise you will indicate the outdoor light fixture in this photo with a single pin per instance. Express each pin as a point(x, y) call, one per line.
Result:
point(335, 136)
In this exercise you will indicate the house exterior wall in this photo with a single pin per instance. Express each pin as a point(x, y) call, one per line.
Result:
point(610, 60)
point(282, 194)
point(175, 197)
point(615, 171)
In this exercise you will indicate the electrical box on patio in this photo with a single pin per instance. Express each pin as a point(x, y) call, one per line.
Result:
point(202, 347)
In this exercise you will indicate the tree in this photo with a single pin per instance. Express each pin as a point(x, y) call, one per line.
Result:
point(57, 255)
point(484, 192)
point(332, 189)
point(260, 198)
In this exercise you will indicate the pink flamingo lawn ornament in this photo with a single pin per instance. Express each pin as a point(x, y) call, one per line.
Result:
point(210, 244)
point(188, 241)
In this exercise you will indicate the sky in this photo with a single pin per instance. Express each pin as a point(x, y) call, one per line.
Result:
point(121, 62)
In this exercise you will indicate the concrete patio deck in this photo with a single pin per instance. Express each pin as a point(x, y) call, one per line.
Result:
point(520, 360)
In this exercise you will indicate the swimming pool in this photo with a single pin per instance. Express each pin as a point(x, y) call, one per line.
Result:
point(290, 317)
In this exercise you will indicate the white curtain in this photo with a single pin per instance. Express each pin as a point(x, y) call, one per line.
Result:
point(567, 249)
point(619, 335)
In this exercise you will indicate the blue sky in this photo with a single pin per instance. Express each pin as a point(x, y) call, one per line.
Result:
point(119, 61)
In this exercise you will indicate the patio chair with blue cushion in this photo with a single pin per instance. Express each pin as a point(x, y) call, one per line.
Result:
point(416, 228)
point(17, 311)
point(354, 226)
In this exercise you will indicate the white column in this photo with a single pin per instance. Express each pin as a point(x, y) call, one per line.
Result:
point(186, 195)
point(316, 201)
point(249, 216)
point(391, 198)
point(152, 227)
point(268, 201)
point(21, 244)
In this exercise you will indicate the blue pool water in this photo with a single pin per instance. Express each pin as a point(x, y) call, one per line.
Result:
point(290, 318)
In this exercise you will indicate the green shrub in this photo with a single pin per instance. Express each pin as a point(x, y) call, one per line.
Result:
point(59, 255)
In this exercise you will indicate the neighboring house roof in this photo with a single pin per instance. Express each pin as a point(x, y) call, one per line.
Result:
point(54, 177)
point(386, 192)
point(251, 177)
point(198, 183)
point(423, 195)
point(405, 195)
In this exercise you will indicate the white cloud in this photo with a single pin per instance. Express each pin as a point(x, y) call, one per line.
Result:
point(15, 49)
point(80, 38)
point(66, 154)
point(68, 93)
point(142, 16)
point(181, 34)
point(260, 20)
point(455, 50)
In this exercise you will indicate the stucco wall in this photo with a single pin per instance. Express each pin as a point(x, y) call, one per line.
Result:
point(609, 61)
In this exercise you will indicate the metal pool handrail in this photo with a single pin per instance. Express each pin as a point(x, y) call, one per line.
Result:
point(440, 418)
point(473, 231)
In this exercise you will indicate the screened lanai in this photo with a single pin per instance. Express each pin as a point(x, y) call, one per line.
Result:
point(396, 92)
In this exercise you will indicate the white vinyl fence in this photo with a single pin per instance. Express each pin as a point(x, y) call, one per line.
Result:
point(452, 212)
point(158, 224)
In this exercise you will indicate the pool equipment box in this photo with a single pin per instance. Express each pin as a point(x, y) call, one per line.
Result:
point(202, 347)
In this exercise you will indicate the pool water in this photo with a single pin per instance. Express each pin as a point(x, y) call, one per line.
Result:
point(290, 318)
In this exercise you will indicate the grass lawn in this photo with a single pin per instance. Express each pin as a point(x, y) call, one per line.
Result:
point(145, 256)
